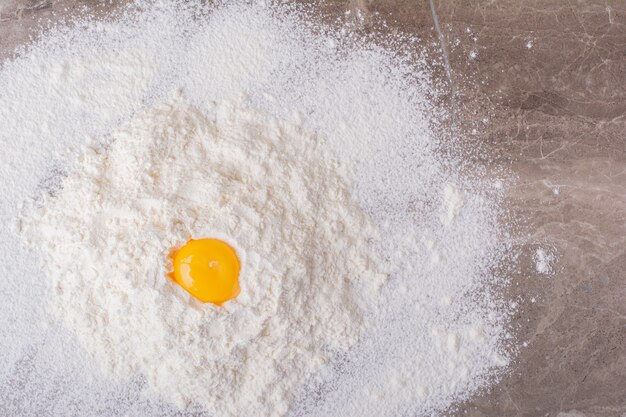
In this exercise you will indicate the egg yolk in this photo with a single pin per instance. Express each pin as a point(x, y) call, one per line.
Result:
point(208, 269)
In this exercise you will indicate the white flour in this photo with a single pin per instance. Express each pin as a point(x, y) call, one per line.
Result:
point(440, 331)
point(544, 259)
point(264, 185)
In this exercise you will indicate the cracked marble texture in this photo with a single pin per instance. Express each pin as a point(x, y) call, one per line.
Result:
point(540, 84)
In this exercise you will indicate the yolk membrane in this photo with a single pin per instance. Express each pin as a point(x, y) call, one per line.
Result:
point(208, 269)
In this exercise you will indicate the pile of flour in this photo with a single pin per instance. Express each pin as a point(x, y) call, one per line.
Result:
point(315, 152)
point(265, 186)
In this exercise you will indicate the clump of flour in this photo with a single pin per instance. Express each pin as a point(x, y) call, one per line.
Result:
point(544, 259)
point(438, 335)
point(266, 186)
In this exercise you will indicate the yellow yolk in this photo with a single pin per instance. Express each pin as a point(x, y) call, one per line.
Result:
point(208, 269)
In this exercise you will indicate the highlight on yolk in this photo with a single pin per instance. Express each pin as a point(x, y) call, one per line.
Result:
point(208, 269)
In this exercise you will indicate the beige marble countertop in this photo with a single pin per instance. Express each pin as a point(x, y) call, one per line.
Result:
point(542, 83)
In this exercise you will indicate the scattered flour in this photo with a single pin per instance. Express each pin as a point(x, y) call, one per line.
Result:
point(439, 332)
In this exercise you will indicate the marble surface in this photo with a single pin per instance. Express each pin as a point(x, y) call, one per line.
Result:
point(541, 86)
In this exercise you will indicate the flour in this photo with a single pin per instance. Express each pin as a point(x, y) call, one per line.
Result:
point(544, 259)
point(262, 184)
point(103, 114)
point(453, 202)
